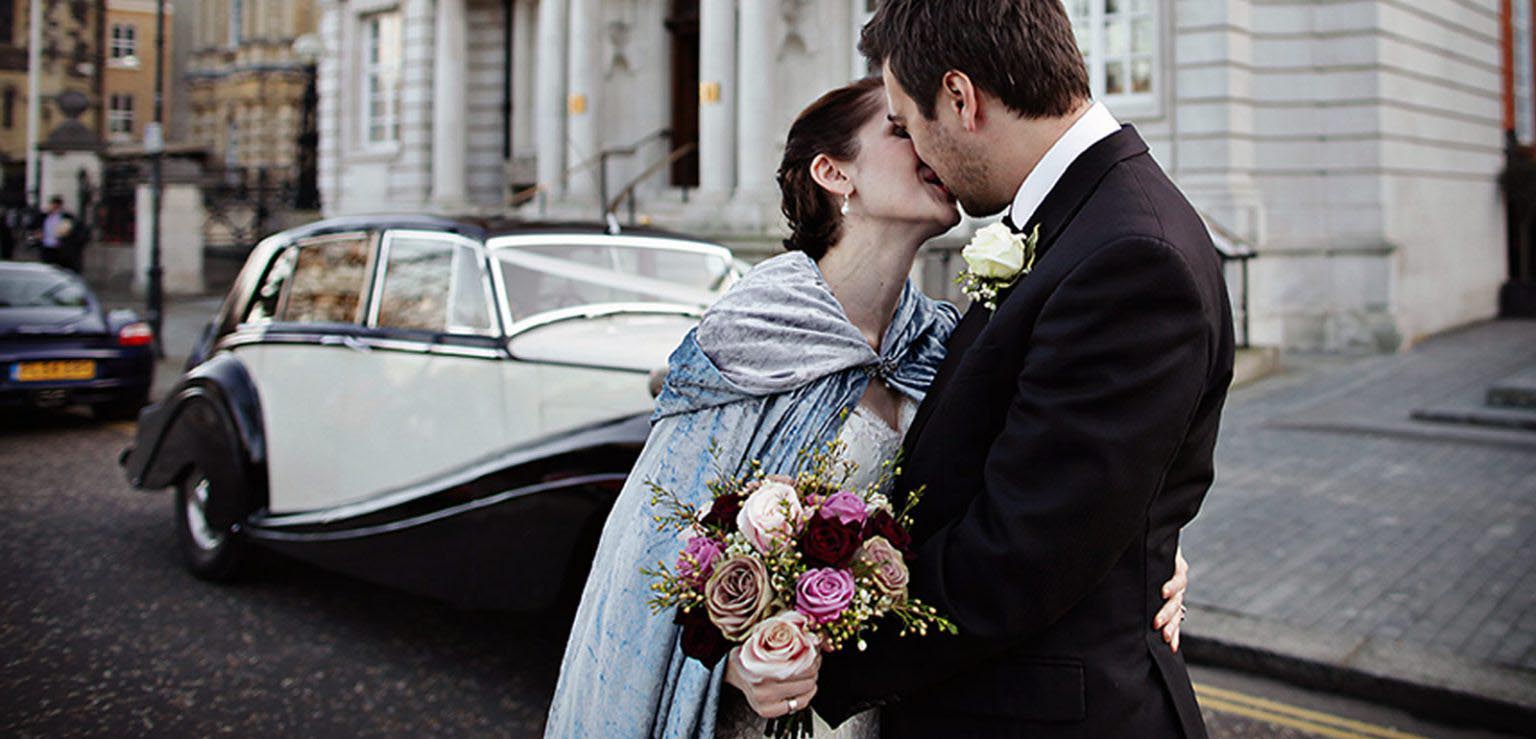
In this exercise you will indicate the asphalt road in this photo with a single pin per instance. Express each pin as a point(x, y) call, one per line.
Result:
point(103, 633)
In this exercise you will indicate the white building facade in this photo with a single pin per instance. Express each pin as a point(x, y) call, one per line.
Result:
point(1355, 143)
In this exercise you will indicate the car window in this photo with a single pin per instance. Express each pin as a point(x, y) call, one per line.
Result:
point(541, 278)
point(265, 302)
point(40, 290)
point(327, 281)
point(468, 297)
point(434, 285)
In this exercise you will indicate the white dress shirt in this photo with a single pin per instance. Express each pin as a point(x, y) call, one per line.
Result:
point(51, 223)
point(1096, 125)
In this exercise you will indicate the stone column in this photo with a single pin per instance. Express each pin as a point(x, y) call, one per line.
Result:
point(754, 112)
point(524, 31)
point(550, 97)
point(586, 79)
point(717, 98)
point(450, 133)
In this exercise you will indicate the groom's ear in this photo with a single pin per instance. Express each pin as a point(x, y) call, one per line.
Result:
point(958, 95)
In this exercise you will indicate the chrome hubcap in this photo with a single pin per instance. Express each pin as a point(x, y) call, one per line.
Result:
point(197, 518)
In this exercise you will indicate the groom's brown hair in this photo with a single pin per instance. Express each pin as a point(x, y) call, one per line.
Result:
point(1022, 51)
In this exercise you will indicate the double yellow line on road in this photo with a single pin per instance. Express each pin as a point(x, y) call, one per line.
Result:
point(1301, 719)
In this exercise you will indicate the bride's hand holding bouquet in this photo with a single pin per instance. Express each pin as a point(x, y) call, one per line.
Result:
point(787, 567)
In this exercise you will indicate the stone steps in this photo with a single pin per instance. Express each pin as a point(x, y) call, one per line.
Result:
point(1516, 391)
point(1509, 404)
point(1496, 418)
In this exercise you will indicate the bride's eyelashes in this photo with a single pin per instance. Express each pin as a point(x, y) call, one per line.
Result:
point(899, 132)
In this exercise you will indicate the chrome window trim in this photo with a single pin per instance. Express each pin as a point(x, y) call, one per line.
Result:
point(599, 310)
point(454, 240)
point(591, 239)
point(254, 337)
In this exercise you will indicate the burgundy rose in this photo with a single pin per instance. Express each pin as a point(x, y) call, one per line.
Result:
point(701, 639)
point(829, 542)
point(882, 523)
point(722, 513)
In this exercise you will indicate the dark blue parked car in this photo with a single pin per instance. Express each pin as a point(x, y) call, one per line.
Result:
point(59, 347)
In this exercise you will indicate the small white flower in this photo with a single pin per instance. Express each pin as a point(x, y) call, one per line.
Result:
point(995, 259)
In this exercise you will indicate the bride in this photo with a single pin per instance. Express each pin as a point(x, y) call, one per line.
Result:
point(827, 341)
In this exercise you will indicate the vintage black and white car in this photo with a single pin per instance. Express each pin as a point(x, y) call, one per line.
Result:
point(425, 403)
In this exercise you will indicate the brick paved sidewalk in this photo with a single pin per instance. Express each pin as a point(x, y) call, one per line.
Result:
point(1341, 532)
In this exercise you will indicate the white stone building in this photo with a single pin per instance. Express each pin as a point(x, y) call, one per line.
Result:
point(1355, 143)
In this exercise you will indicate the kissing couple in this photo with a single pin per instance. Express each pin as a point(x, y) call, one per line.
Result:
point(1063, 428)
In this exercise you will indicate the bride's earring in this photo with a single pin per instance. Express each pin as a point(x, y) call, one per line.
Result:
point(844, 209)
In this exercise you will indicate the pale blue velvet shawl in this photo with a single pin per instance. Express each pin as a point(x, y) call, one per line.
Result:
point(770, 370)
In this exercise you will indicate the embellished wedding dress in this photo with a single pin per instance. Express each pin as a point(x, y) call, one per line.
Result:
point(868, 441)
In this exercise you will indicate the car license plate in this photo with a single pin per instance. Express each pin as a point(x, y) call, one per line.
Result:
point(62, 369)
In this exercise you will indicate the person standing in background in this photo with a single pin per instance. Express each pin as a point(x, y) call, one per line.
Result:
point(59, 242)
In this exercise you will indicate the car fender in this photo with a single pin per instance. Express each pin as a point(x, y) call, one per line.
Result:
point(211, 419)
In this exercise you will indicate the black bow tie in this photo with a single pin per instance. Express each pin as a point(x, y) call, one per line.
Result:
point(1008, 221)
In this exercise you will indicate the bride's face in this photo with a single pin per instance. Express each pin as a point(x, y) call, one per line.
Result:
point(891, 184)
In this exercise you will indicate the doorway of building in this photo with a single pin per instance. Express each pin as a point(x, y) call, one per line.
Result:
point(683, 30)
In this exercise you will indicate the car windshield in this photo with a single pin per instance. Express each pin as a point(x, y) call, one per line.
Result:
point(546, 277)
point(40, 290)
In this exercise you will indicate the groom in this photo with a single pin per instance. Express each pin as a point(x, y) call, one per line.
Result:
point(1069, 434)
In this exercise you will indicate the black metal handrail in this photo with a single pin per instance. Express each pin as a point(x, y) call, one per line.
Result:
point(1234, 249)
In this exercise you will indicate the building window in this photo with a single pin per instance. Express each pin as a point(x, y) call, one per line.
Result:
point(7, 22)
point(124, 47)
point(1525, 116)
point(381, 82)
point(120, 115)
point(1121, 41)
point(236, 22)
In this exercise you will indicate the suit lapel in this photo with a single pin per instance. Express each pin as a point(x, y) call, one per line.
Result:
point(965, 332)
point(1077, 184)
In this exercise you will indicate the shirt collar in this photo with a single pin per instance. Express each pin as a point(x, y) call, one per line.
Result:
point(1094, 126)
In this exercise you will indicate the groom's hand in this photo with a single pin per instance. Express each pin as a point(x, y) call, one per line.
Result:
point(770, 697)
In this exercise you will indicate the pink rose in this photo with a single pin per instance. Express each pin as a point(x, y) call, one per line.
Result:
point(824, 594)
point(845, 507)
point(737, 595)
point(697, 561)
point(771, 514)
point(888, 567)
point(780, 647)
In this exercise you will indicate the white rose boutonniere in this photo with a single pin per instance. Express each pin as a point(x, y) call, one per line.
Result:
point(995, 259)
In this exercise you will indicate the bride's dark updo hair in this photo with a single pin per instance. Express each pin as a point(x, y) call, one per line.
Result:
point(828, 126)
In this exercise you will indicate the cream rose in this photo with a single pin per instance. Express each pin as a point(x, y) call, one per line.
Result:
point(771, 514)
point(995, 252)
point(780, 647)
point(887, 566)
point(736, 595)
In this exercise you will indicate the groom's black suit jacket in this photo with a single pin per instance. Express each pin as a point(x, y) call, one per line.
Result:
point(1065, 442)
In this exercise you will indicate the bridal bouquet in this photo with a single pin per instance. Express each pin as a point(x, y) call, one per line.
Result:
point(786, 565)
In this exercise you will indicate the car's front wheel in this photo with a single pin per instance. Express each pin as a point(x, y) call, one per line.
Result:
point(211, 552)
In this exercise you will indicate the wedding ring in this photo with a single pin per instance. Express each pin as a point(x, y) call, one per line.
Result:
point(794, 705)
point(1183, 610)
